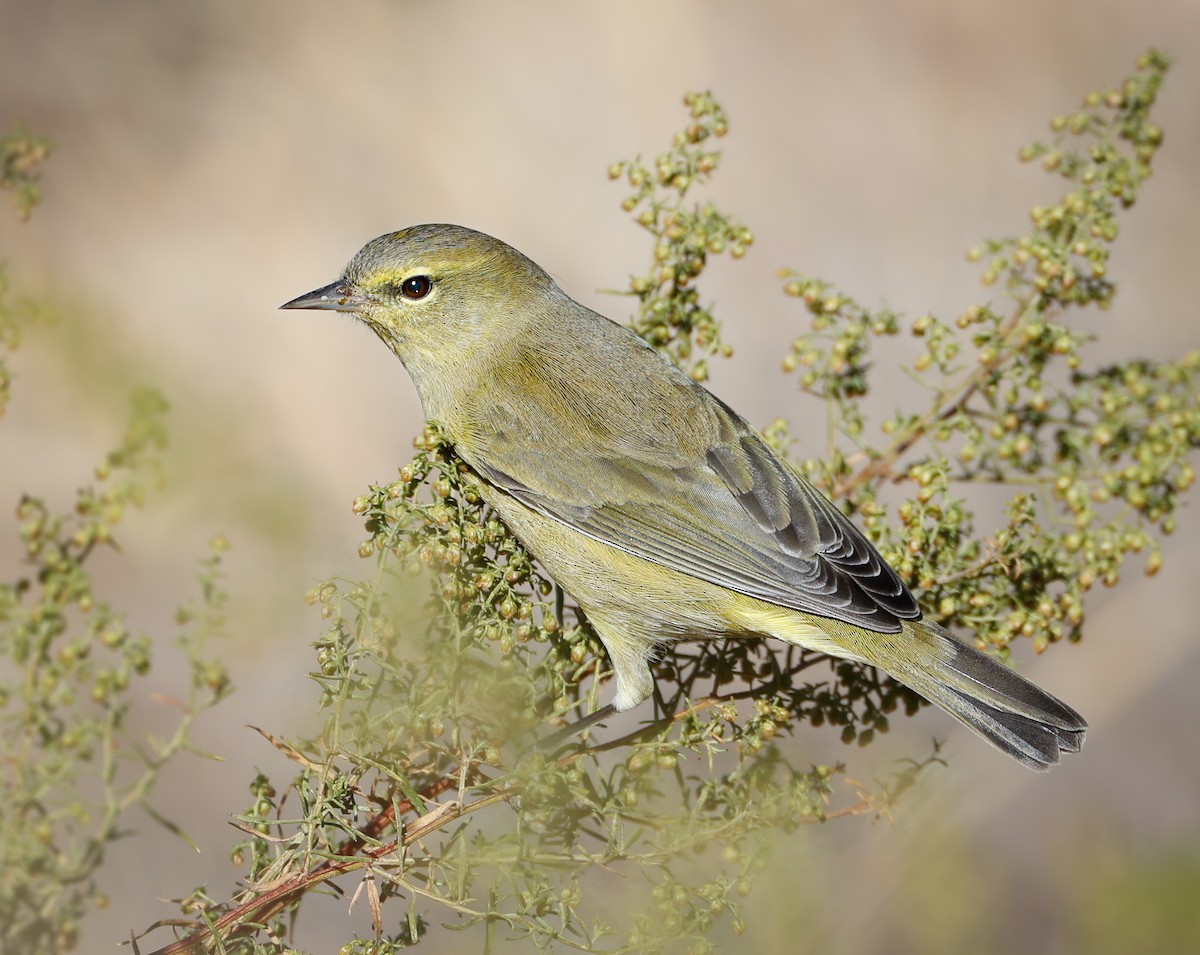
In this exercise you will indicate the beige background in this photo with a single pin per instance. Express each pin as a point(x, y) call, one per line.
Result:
point(215, 159)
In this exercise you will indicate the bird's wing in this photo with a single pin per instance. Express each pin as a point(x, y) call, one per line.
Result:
point(726, 509)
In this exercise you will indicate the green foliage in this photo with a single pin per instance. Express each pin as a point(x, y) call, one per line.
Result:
point(16, 316)
point(444, 674)
point(68, 683)
point(437, 723)
point(670, 315)
point(21, 157)
point(1099, 456)
point(71, 670)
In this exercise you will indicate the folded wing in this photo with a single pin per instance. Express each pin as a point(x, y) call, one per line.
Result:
point(729, 512)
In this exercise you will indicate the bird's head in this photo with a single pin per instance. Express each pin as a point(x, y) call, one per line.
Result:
point(437, 294)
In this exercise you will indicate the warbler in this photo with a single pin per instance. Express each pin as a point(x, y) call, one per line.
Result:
point(648, 499)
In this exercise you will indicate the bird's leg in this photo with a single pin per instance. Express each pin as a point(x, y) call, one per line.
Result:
point(554, 739)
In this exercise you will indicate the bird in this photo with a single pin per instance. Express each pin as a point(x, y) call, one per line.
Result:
point(648, 499)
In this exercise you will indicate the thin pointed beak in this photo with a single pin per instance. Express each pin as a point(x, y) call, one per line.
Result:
point(337, 296)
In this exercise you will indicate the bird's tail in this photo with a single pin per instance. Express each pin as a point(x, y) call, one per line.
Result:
point(1013, 714)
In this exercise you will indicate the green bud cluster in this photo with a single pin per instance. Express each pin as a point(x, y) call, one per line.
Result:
point(670, 314)
point(17, 315)
point(832, 361)
point(22, 155)
point(1106, 149)
point(256, 822)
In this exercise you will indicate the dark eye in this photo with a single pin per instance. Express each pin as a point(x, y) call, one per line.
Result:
point(418, 286)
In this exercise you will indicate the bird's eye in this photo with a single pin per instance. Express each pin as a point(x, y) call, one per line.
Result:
point(416, 287)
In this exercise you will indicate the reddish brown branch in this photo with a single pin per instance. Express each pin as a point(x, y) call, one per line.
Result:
point(353, 854)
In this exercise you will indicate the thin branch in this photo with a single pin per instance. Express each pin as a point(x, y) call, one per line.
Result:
point(881, 466)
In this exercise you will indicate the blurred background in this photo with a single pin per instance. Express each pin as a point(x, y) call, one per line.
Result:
point(216, 159)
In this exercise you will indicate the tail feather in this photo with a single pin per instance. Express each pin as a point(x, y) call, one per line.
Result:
point(1010, 712)
point(1035, 744)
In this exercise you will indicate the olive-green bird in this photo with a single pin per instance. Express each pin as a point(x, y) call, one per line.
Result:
point(658, 508)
